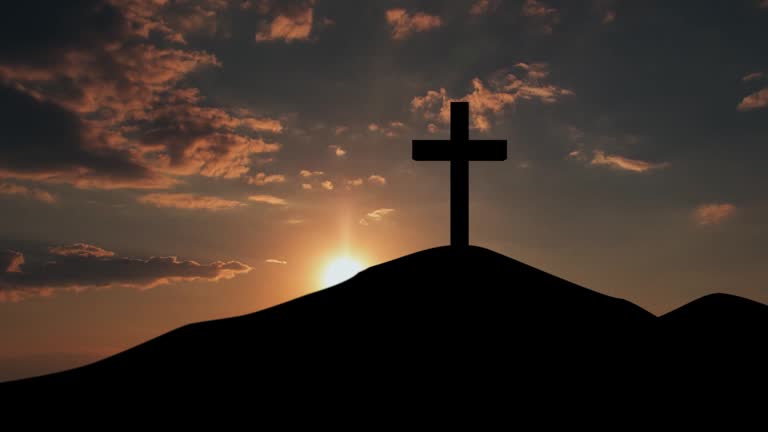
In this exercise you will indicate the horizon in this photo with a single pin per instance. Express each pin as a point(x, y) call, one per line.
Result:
point(165, 163)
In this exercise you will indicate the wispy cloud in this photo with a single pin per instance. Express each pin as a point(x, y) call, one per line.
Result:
point(275, 261)
point(546, 17)
point(377, 180)
point(188, 201)
point(376, 216)
point(26, 192)
point(261, 179)
point(624, 163)
point(405, 24)
point(292, 22)
point(754, 101)
point(492, 97)
point(268, 199)
point(82, 266)
point(714, 213)
point(754, 76)
point(308, 173)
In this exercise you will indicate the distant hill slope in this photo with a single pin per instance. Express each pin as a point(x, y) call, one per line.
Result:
point(438, 316)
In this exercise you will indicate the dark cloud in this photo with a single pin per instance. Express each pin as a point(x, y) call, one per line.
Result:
point(40, 140)
point(81, 266)
point(10, 261)
point(91, 97)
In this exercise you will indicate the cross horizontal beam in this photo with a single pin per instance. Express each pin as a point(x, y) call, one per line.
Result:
point(474, 150)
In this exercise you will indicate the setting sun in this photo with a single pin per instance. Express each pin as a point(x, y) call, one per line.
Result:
point(339, 270)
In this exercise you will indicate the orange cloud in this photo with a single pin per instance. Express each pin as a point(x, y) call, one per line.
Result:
point(337, 150)
point(379, 214)
point(752, 76)
point(306, 186)
point(754, 101)
point(492, 98)
point(481, 7)
point(327, 185)
point(377, 180)
point(405, 24)
point(261, 179)
point(712, 214)
point(291, 25)
point(188, 201)
point(27, 192)
point(623, 163)
point(275, 261)
point(83, 250)
point(355, 182)
point(537, 8)
point(268, 199)
point(308, 173)
point(544, 16)
point(11, 261)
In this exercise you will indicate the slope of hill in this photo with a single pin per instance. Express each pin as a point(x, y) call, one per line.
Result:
point(443, 316)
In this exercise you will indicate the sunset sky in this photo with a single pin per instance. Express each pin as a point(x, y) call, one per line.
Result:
point(165, 162)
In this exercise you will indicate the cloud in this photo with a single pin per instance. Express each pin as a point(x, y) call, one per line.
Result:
point(609, 16)
point(114, 98)
point(275, 261)
point(27, 192)
point(713, 214)
point(261, 179)
point(390, 130)
point(306, 186)
point(544, 17)
point(404, 24)
point(11, 261)
point(623, 163)
point(188, 201)
point(78, 272)
point(501, 90)
point(83, 250)
point(292, 22)
point(379, 214)
point(481, 7)
point(268, 199)
point(308, 173)
point(377, 180)
point(338, 130)
point(363, 222)
point(355, 182)
point(337, 150)
point(537, 8)
point(754, 101)
point(327, 185)
point(753, 76)
point(432, 128)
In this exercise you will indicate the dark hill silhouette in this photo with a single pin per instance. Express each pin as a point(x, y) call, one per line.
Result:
point(441, 319)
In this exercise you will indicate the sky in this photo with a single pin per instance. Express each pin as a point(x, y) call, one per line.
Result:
point(165, 162)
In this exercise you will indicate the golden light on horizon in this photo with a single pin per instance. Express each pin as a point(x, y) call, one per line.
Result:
point(340, 269)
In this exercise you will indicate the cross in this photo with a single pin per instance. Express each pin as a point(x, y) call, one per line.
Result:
point(459, 151)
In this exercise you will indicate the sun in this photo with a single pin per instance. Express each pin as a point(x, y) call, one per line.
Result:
point(340, 269)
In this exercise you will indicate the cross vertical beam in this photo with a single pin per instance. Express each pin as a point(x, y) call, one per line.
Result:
point(459, 151)
point(459, 175)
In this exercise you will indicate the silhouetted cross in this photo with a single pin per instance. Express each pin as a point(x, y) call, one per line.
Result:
point(459, 151)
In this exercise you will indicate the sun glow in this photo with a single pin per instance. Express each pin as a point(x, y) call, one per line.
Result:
point(340, 269)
